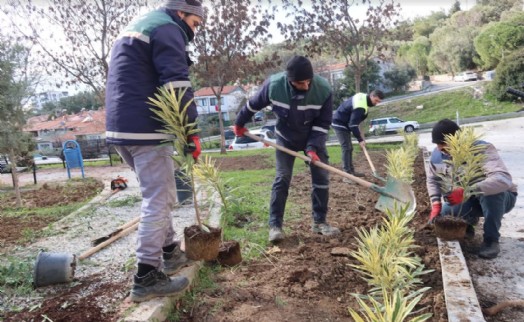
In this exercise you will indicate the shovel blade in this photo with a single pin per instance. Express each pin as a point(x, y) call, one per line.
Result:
point(396, 193)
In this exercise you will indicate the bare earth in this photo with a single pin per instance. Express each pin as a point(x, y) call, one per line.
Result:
point(298, 281)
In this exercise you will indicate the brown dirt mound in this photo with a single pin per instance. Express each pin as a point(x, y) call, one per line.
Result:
point(300, 280)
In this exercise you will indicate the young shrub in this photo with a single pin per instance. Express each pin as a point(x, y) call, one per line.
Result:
point(395, 307)
point(466, 163)
point(210, 178)
point(170, 111)
point(400, 161)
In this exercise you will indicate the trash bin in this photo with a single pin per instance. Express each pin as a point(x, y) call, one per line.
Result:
point(184, 193)
point(73, 156)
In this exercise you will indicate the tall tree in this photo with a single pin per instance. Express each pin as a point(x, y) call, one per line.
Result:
point(15, 86)
point(233, 32)
point(73, 37)
point(499, 39)
point(332, 26)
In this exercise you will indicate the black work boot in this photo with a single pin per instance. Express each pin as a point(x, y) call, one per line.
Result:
point(489, 250)
point(155, 284)
point(174, 260)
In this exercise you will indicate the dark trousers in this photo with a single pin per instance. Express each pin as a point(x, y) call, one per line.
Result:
point(280, 189)
point(492, 208)
point(344, 137)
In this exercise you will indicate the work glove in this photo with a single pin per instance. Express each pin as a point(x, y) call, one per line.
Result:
point(239, 130)
point(436, 208)
point(193, 146)
point(313, 156)
point(456, 196)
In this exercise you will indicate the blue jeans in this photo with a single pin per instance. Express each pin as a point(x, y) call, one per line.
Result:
point(492, 208)
point(154, 167)
point(344, 137)
point(280, 189)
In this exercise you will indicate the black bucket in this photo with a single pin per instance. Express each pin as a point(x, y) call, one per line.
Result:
point(184, 192)
point(53, 268)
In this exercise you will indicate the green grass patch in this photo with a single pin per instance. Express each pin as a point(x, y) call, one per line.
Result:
point(443, 105)
point(16, 276)
point(124, 202)
point(204, 281)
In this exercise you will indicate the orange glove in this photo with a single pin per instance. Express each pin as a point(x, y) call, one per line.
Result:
point(313, 156)
point(436, 208)
point(239, 130)
point(456, 196)
point(195, 148)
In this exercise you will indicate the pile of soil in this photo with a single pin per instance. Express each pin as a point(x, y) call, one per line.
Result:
point(299, 279)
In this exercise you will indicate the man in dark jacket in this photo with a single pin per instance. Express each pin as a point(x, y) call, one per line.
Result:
point(302, 103)
point(151, 53)
point(346, 120)
point(496, 192)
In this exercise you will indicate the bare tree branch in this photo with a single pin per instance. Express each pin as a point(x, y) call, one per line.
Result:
point(74, 38)
point(330, 26)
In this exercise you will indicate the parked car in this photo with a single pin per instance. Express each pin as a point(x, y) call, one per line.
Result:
point(466, 76)
point(244, 142)
point(229, 136)
point(43, 159)
point(268, 127)
point(259, 116)
point(392, 124)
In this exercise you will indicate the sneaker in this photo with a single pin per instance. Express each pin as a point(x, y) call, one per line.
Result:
point(175, 260)
point(489, 250)
point(275, 234)
point(155, 284)
point(470, 232)
point(325, 229)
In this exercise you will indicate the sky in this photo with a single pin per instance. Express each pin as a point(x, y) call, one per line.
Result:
point(409, 10)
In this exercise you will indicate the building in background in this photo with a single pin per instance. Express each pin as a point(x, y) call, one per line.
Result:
point(39, 100)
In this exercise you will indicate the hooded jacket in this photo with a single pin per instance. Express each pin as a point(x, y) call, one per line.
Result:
point(148, 54)
point(496, 178)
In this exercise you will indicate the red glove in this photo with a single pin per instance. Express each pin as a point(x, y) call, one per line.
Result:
point(456, 196)
point(436, 208)
point(239, 130)
point(197, 147)
point(313, 156)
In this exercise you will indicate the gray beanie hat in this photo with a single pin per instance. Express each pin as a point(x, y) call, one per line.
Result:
point(189, 6)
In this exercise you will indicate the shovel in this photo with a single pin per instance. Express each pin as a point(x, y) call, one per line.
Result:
point(374, 171)
point(394, 193)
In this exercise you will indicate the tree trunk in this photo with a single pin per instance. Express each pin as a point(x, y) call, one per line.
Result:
point(14, 174)
point(221, 123)
point(358, 79)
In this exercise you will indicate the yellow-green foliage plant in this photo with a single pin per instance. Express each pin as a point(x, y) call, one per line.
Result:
point(466, 163)
point(384, 253)
point(213, 182)
point(394, 307)
point(169, 110)
point(400, 161)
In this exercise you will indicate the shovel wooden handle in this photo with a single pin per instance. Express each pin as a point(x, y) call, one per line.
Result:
point(369, 160)
point(319, 164)
point(95, 249)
